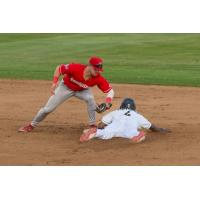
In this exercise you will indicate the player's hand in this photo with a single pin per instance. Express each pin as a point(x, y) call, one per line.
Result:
point(164, 130)
point(53, 87)
point(108, 106)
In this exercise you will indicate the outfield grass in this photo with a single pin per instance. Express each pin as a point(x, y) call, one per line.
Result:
point(164, 59)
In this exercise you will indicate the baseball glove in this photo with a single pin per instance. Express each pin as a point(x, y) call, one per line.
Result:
point(103, 107)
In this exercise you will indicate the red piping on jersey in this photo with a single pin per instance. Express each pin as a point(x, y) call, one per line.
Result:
point(107, 90)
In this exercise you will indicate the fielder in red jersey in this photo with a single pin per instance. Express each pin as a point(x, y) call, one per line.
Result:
point(77, 80)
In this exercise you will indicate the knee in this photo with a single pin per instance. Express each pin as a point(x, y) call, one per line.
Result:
point(90, 99)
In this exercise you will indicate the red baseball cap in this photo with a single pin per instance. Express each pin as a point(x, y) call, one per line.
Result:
point(97, 63)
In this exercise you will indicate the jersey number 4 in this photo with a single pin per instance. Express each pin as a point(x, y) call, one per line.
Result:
point(127, 113)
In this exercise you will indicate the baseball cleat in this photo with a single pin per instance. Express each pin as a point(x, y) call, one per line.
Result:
point(141, 137)
point(88, 134)
point(26, 129)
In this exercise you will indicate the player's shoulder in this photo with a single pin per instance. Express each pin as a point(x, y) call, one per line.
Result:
point(137, 113)
point(113, 113)
point(64, 65)
point(77, 65)
point(118, 112)
point(140, 116)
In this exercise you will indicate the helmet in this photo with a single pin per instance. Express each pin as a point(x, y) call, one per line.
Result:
point(128, 103)
point(97, 63)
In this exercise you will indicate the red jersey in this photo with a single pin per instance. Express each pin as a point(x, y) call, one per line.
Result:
point(74, 80)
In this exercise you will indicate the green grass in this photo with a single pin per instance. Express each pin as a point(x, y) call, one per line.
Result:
point(164, 59)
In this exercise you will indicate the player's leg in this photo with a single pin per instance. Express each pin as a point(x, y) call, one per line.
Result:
point(88, 134)
point(139, 138)
point(134, 135)
point(115, 129)
point(62, 93)
point(88, 97)
point(107, 133)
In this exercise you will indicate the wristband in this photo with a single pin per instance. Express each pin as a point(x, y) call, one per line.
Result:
point(55, 79)
point(108, 99)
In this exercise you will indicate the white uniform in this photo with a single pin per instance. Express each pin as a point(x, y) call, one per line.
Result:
point(122, 123)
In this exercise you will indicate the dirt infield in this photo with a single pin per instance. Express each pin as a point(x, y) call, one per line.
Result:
point(56, 140)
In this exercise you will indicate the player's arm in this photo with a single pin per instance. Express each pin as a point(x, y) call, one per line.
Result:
point(106, 120)
point(154, 128)
point(144, 123)
point(105, 87)
point(55, 79)
point(101, 125)
point(109, 98)
point(60, 70)
point(107, 104)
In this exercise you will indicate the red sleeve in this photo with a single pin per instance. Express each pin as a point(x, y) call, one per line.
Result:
point(64, 69)
point(104, 85)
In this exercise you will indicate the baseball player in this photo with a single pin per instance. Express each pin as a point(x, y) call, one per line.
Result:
point(77, 80)
point(125, 122)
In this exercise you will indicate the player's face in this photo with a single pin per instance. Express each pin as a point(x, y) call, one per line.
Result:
point(95, 71)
